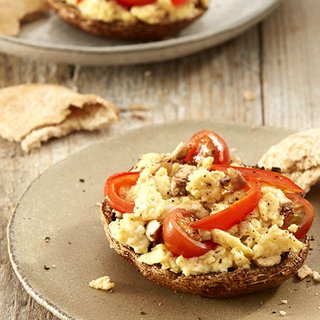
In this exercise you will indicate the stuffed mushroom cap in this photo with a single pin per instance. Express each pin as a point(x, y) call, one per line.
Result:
point(213, 285)
point(136, 30)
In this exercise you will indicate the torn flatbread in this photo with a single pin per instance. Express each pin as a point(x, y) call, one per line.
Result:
point(34, 113)
point(12, 13)
point(298, 156)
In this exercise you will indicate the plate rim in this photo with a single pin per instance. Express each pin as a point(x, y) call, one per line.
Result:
point(34, 293)
point(37, 296)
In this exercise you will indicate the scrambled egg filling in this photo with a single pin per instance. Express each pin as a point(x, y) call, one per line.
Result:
point(161, 10)
point(257, 240)
point(103, 283)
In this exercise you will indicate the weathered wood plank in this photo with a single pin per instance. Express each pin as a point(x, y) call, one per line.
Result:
point(207, 85)
point(291, 71)
point(16, 173)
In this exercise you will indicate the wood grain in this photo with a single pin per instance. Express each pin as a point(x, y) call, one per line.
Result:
point(197, 87)
point(269, 75)
point(291, 71)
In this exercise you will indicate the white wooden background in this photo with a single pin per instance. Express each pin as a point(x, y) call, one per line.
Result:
point(268, 76)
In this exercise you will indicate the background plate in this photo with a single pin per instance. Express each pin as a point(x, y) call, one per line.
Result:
point(62, 207)
point(51, 39)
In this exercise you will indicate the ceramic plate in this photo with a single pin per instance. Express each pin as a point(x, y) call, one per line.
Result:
point(61, 204)
point(51, 39)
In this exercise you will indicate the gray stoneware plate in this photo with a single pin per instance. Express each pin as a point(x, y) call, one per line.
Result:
point(58, 205)
point(51, 39)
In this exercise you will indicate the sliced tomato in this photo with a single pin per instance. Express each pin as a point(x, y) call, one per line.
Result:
point(180, 238)
point(238, 211)
point(132, 3)
point(302, 217)
point(178, 3)
point(207, 143)
point(112, 190)
point(264, 176)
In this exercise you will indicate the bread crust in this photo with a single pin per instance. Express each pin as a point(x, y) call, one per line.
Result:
point(213, 285)
point(138, 31)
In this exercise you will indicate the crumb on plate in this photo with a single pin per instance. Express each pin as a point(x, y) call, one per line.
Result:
point(103, 283)
point(304, 272)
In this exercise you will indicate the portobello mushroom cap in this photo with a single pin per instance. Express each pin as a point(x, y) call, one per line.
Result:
point(213, 285)
point(122, 30)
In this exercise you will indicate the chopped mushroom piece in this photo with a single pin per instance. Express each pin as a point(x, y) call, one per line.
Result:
point(180, 179)
point(179, 152)
point(233, 181)
point(205, 235)
point(152, 230)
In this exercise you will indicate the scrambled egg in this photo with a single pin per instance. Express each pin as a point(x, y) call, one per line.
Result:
point(217, 260)
point(110, 10)
point(205, 185)
point(267, 252)
point(131, 231)
point(257, 240)
point(103, 283)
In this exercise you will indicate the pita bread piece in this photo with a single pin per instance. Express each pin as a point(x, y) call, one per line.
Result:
point(34, 113)
point(298, 156)
point(12, 13)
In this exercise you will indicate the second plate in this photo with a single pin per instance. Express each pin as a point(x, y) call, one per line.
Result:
point(53, 40)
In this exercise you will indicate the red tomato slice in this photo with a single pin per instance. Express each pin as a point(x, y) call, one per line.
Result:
point(264, 176)
point(207, 142)
point(131, 3)
point(180, 238)
point(178, 3)
point(238, 211)
point(303, 215)
point(112, 190)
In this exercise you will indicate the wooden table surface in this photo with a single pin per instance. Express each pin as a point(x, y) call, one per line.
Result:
point(268, 76)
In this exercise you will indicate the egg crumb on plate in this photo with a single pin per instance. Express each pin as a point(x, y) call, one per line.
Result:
point(102, 283)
